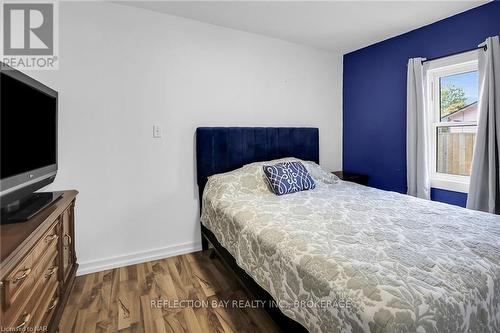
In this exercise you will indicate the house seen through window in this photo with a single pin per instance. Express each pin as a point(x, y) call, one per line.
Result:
point(453, 103)
point(458, 106)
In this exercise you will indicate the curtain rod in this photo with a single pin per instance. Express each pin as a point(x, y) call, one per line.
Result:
point(484, 47)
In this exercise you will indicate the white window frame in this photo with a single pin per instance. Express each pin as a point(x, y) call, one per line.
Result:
point(457, 64)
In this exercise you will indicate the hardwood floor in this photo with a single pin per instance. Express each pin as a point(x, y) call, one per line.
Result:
point(120, 300)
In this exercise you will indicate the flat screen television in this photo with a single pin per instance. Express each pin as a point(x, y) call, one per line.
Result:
point(28, 139)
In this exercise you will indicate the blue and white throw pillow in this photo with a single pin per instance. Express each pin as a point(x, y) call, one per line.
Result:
point(288, 177)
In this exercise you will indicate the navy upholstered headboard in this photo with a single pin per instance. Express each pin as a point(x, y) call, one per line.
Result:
point(222, 149)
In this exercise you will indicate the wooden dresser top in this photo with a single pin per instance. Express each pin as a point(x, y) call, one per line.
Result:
point(16, 237)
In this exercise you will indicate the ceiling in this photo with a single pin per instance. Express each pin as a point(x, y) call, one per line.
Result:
point(340, 26)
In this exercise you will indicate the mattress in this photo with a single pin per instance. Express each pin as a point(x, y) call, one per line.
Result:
point(349, 258)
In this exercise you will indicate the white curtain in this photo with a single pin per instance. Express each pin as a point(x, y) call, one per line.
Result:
point(416, 131)
point(485, 181)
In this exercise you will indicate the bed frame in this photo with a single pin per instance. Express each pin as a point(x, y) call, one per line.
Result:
point(222, 149)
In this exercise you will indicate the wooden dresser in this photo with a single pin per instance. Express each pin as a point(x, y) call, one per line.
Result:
point(37, 268)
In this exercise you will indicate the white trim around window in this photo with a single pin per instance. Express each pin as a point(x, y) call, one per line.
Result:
point(462, 63)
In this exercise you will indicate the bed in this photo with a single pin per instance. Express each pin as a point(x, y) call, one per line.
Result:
point(345, 257)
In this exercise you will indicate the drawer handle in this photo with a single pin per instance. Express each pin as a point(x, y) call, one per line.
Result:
point(53, 305)
point(22, 277)
point(50, 238)
point(69, 239)
point(51, 271)
point(26, 319)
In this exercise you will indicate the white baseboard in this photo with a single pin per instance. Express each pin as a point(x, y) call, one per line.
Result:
point(136, 258)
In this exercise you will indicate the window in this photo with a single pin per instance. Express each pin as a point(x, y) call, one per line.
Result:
point(452, 86)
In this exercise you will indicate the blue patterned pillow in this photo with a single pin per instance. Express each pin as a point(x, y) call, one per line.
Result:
point(288, 177)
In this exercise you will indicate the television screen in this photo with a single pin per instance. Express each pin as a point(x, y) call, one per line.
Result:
point(28, 128)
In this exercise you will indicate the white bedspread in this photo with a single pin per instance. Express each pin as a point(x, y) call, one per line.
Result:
point(345, 257)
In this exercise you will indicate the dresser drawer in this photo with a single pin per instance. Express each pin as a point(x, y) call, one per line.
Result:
point(47, 242)
point(19, 282)
point(29, 276)
point(47, 306)
point(45, 274)
point(20, 318)
point(47, 265)
point(46, 287)
point(37, 307)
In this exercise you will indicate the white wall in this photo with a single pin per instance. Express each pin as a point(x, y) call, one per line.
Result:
point(123, 69)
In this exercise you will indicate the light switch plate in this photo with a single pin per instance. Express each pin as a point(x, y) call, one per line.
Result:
point(157, 131)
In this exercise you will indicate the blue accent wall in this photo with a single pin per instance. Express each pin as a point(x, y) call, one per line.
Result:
point(374, 95)
point(454, 198)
